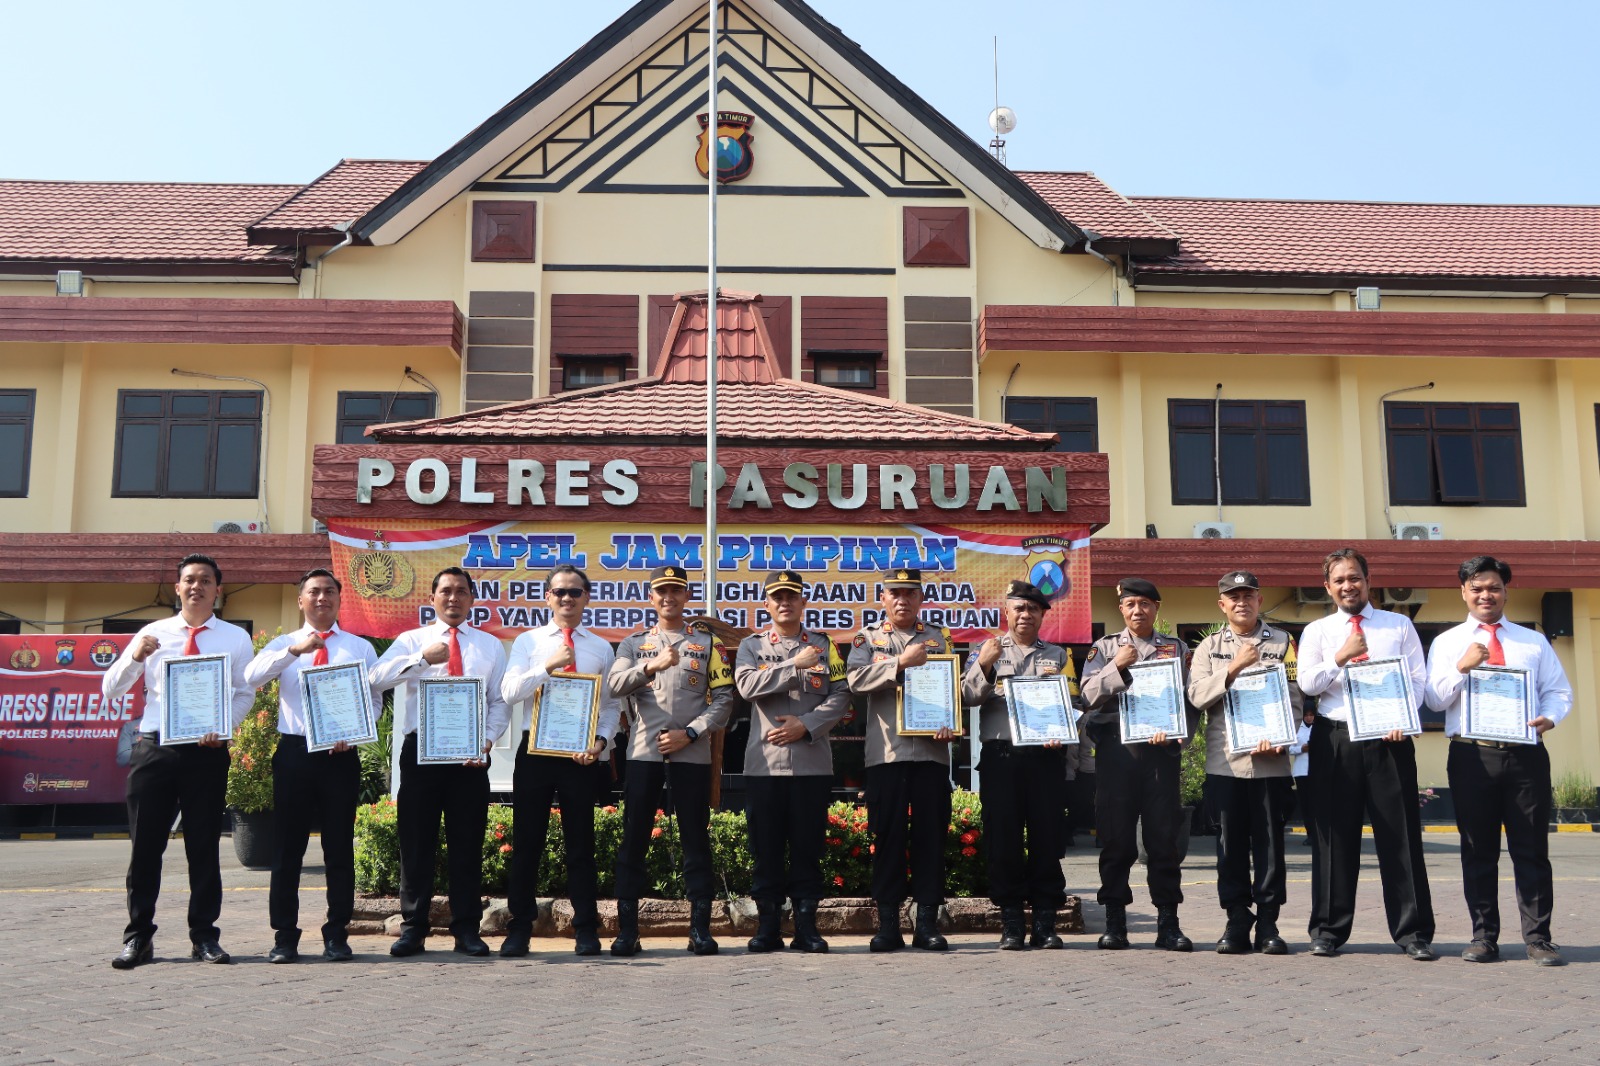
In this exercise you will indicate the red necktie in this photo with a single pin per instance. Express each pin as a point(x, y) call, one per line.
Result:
point(1355, 620)
point(566, 638)
point(189, 646)
point(453, 667)
point(1497, 654)
point(321, 657)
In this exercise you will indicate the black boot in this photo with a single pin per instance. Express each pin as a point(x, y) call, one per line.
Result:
point(1236, 936)
point(1168, 936)
point(627, 942)
point(767, 938)
point(1044, 929)
point(1115, 938)
point(888, 936)
point(806, 937)
point(1011, 929)
point(700, 941)
point(1268, 942)
point(926, 934)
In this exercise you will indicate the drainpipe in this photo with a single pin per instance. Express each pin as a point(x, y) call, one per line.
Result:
point(316, 265)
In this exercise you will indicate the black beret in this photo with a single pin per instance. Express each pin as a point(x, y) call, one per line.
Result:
point(1137, 586)
point(1022, 590)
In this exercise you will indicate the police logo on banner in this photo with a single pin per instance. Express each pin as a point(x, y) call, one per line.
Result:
point(103, 653)
point(735, 156)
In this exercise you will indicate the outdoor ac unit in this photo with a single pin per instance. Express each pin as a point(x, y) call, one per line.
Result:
point(236, 525)
point(319, 527)
point(1419, 531)
point(1405, 597)
point(1313, 594)
point(1214, 530)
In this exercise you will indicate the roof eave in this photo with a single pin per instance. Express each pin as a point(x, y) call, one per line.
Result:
point(1146, 278)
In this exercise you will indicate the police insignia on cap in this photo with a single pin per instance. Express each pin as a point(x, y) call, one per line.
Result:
point(668, 575)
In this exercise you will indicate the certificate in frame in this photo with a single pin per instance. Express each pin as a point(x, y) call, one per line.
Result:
point(450, 719)
point(928, 698)
point(1039, 710)
point(1258, 708)
point(196, 698)
point(565, 715)
point(1494, 695)
point(338, 704)
point(1153, 702)
point(1378, 693)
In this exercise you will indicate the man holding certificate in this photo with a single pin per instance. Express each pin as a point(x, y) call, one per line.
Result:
point(1024, 777)
point(1501, 689)
point(674, 681)
point(1243, 677)
point(794, 680)
point(322, 784)
point(168, 776)
point(1349, 773)
point(561, 668)
point(913, 712)
point(451, 715)
point(1136, 779)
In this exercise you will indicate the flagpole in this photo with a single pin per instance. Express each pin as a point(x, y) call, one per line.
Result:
point(712, 156)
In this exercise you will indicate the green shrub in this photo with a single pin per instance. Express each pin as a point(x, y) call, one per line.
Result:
point(255, 742)
point(964, 873)
point(1575, 788)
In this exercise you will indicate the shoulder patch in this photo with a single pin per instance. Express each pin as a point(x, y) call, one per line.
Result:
point(860, 640)
point(1094, 653)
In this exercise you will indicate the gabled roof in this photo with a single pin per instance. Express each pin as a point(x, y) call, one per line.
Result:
point(338, 197)
point(1117, 226)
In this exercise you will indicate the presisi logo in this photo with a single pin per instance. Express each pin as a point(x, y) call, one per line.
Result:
point(103, 653)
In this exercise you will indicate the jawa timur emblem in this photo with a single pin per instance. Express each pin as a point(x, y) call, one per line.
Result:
point(735, 157)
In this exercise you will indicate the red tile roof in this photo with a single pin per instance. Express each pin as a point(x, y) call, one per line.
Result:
point(1347, 238)
point(744, 351)
point(1089, 203)
point(343, 194)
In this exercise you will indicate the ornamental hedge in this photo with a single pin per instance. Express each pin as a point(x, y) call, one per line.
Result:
point(846, 859)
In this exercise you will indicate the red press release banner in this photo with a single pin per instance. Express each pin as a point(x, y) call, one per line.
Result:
point(60, 740)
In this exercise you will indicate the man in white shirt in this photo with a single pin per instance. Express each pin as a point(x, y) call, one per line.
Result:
point(446, 648)
point(1494, 782)
point(191, 779)
point(308, 785)
point(1347, 775)
point(562, 645)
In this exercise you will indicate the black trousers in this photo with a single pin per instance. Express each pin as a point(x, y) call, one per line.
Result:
point(1511, 787)
point(1348, 778)
point(1249, 814)
point(925, 788)
point(787, 821)
point(535, 784)
point(461, 794)
point(163, 782)
point(690, 794)
point(1137, 782)
point(312, 786)
point(1024, 796)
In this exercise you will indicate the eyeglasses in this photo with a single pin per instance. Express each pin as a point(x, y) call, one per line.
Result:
point(564, 593)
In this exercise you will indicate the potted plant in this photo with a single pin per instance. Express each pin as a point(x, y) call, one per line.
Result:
point(1573, 799)
point(249, 796)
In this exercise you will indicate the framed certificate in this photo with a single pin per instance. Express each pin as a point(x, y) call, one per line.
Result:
point(1258, 708)
point(196, 698)
point(929, 698)
point(1499, 706)
point(450, 719)
point(1153, 702)
point(338, 703)
point(566, 713)
point(1379, 695)
point(1040, 710)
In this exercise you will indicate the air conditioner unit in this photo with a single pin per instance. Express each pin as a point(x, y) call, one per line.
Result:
point(1419, 531)
point(319, 527)
point(1312, 594)
point(1214, 530)
point(1405, 597)
point(236, 525)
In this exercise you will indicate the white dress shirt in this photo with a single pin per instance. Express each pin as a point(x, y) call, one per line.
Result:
point(277, 662)
point(482, 656)
point(1389, 636)
point(1301, 766)
point(1524, 650)
point(526, 674)
point(219, 638)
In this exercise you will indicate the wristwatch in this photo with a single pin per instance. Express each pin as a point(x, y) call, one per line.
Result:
point(692, 733)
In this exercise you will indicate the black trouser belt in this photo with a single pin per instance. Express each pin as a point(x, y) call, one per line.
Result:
point(1487, 743)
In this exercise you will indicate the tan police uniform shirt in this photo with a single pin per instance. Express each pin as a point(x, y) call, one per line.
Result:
point(1208, 682)
point(696, 693)
point(978, 688)
point(1103, 683)
point(766, 676)
point(874, 672)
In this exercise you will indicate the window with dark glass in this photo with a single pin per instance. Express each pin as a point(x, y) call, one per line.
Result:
point(187, 445)
point(358, 410)
point(1258, 446)
point(846, 370)
point(1075, 418)
point(587, 371)
point(1455, 453)
point(16, 440)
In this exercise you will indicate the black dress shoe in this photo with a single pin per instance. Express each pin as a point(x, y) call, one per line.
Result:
point(135, 952)
point(515, 945)
point(1544, 953)
point(209, 951)
point(586, 944)
point(1420, 950)
point(337, 949)
point(282, 953)
point(409, 942)
point(471, 944)
point(1323, 948)
point(1482, 951)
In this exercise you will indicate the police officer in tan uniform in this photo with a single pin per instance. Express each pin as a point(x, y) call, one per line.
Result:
point(1134, 780)
point(903, 771)
point(794, 680)
point(1248, 793)
point(676, 689)
point(1024, 787)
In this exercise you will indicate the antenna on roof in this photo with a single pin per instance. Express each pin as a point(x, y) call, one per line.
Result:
point(1002, 120)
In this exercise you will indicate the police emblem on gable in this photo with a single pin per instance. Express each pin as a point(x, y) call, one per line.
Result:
point(734, 154)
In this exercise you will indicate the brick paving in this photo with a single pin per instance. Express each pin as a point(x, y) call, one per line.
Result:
point(63, 913)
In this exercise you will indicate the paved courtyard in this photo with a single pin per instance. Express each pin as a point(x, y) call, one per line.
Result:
point(63, 912)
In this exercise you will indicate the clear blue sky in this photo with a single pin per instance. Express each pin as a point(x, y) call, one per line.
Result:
point(1440, 100)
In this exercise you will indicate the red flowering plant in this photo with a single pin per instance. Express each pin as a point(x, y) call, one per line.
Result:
point(497, 848)
point(964, 873)
point(250, 761)
point(847, 851)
